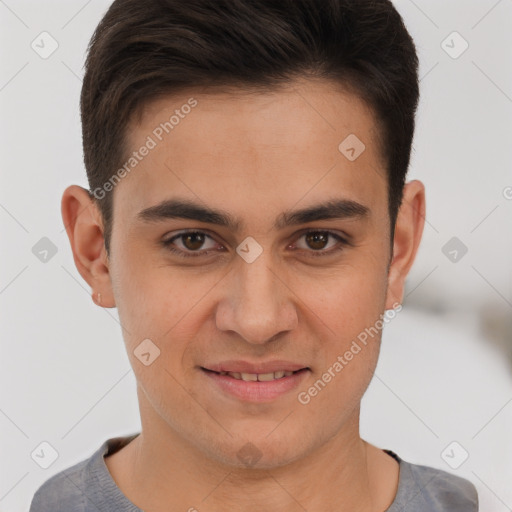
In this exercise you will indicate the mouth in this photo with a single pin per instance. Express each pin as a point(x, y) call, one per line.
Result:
point(259, 377)
point(254, 387)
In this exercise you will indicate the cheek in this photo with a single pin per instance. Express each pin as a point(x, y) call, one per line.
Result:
point(163, 304)
point(346, 312)
point(150, 295)
point(348, 355)
point(346, 301)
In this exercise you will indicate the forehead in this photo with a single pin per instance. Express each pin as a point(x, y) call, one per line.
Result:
point(244, 147)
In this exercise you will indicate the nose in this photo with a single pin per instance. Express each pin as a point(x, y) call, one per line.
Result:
point(258, 304)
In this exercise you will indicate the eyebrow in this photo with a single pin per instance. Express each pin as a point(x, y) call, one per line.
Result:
point(187, 209)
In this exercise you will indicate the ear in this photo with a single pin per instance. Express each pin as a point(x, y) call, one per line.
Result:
point(408, 231)
point(84, 226)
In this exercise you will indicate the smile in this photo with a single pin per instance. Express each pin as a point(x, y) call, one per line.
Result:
point(261, 377)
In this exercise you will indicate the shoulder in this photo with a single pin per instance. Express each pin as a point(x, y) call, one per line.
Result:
point(61, 492)
point(67, 491)
point(424, 488)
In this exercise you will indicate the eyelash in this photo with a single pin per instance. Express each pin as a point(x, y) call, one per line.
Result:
point(314, 254)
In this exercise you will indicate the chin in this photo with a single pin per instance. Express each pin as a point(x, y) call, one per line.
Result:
point(259, 453)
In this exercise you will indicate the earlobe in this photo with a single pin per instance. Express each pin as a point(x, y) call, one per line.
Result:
point(408, 231)
point(84, 228)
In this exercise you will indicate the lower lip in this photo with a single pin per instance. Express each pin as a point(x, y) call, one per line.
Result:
point(256, 391)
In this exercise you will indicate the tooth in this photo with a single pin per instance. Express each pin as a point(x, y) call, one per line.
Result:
point(249, 376)
point(265, 376)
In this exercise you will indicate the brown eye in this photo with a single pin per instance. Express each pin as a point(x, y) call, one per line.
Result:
point(189, 244)
point(320, 243)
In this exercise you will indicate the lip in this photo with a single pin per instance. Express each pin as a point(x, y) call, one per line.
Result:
point(241, 366)
point(256, 391)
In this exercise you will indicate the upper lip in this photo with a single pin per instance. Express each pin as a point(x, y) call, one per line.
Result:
point(240, 366)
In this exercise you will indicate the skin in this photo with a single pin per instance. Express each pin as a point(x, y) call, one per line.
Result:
point(254, 156)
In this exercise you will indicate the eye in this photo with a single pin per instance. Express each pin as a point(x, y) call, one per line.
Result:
point(190, 241)
point(317, 241)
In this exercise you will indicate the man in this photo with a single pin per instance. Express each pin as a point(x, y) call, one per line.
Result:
point(248, 216)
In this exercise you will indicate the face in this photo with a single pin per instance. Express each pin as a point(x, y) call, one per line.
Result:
point(292, 267)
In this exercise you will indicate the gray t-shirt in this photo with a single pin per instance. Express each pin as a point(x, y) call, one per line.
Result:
point(88, 487)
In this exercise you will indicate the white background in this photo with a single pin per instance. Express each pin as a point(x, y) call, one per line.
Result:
point(445, 372)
